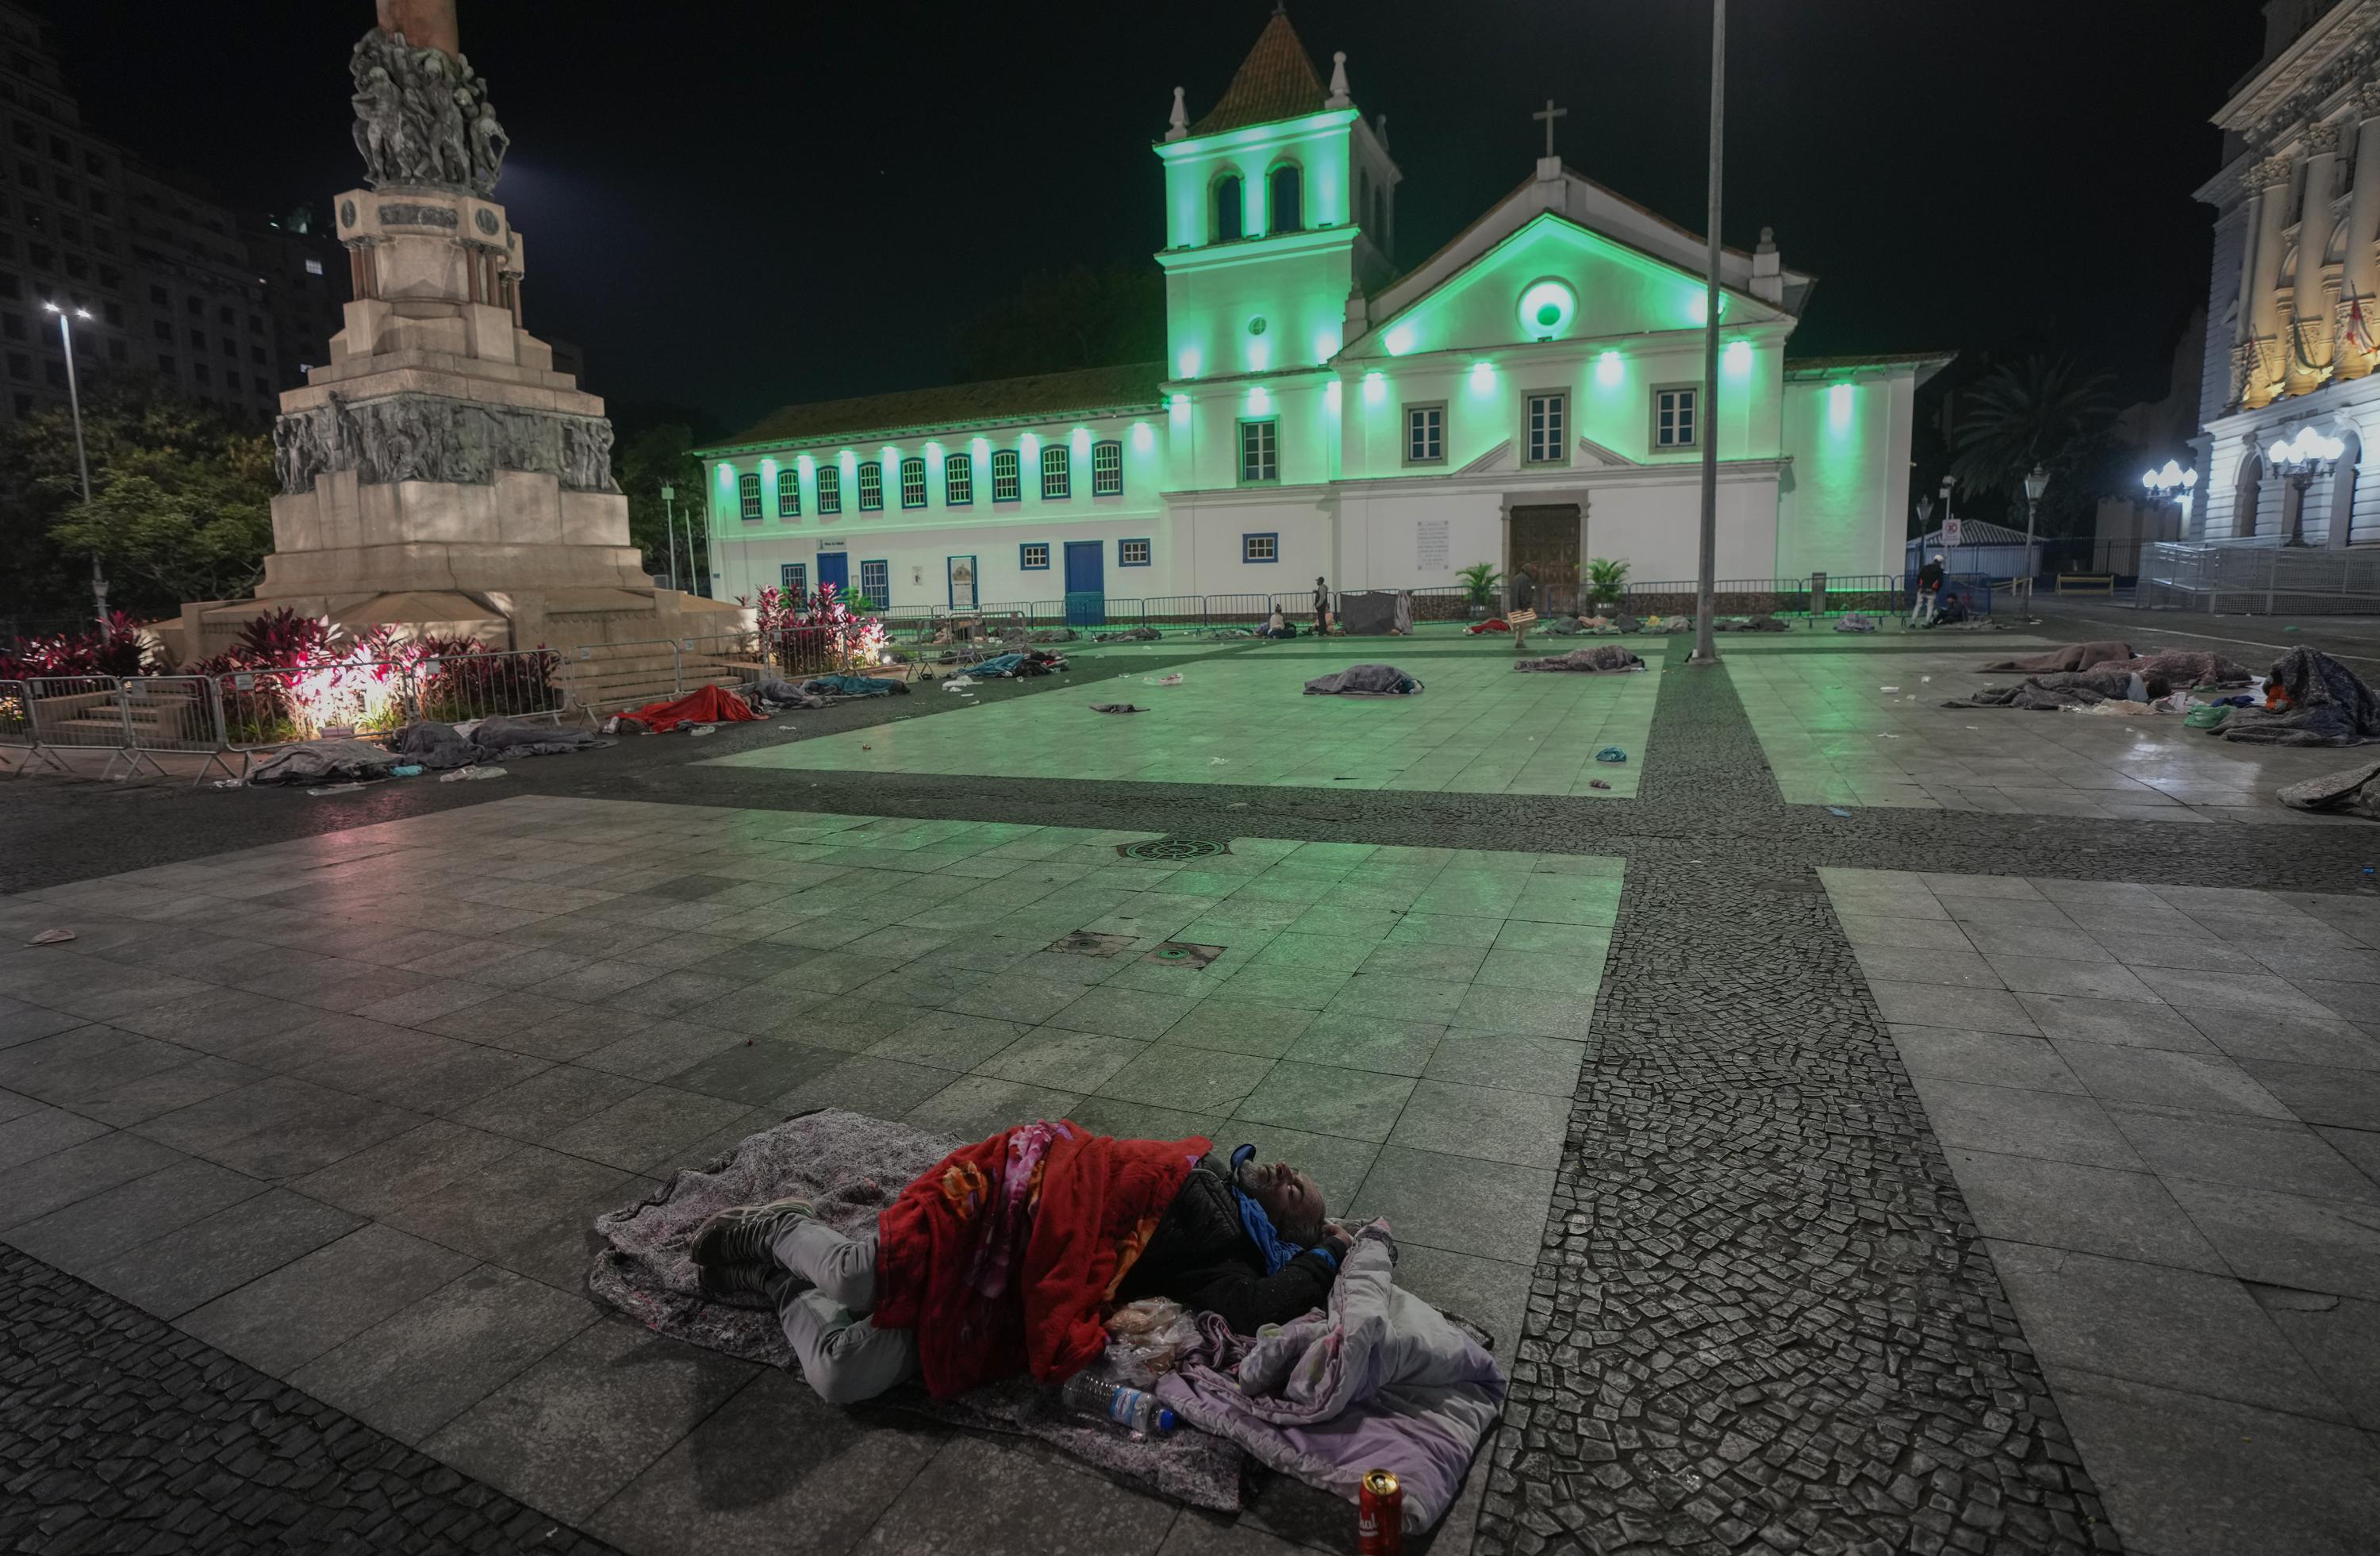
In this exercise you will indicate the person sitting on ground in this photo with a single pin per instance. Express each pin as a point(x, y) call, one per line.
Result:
point(1249, 1243)
point(1277, 626)
point(1952, 609)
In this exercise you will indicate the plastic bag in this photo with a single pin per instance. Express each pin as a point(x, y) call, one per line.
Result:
point(1147, 1338)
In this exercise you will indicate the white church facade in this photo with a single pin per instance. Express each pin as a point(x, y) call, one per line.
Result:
point(1528, 394)
point(2293, 315)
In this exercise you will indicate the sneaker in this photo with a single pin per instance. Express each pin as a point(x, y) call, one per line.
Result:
point(732, 1248)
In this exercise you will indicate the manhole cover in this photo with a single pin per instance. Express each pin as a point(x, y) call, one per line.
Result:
point(1181, 954)
point(1173, 848)
point(1086, 942)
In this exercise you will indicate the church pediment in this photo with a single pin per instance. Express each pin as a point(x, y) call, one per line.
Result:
point(1553, 280)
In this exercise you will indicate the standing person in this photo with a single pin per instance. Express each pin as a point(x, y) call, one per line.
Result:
point(1929, 591)
point(1321, 609)
point(1524, 589)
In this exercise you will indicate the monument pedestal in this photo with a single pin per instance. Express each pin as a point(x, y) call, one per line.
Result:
point(436, 474)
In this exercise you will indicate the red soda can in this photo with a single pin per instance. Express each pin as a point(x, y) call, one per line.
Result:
point(1380, 1514)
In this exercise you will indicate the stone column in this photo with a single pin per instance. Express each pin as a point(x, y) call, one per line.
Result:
point(427, 24)
point(2360, 276)
point(2264, 352)
point(2309, 349)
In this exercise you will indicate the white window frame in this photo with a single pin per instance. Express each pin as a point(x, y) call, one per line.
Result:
point(1692, 397)
point(1132, 553)
point(882, 599)
point(1106, 468)
point(1545, 427)
point(793, 578)
point(1024, 556)
point(871, 486)
point(1271, 540)
point(1426, 407)
point(789, 494)
point(1059, 458)
point(958, 480)
point(747, 496)
point(1265, 448)
point(913, 466)
point(1007, 484)
point(830, 488)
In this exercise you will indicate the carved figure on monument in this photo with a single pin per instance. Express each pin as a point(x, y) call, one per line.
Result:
point(423, 116)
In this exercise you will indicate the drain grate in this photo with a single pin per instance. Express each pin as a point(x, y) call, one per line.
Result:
point(1169, 850)
point(1182, 954)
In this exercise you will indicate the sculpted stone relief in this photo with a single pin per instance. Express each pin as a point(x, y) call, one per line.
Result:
point(422, 116)
point(423, 437)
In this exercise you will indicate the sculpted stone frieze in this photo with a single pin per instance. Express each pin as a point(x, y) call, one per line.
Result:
point(422, 116)
point(427, 437)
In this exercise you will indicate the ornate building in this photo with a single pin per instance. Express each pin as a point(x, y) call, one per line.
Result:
point(2293, 315)
point(1530, 393)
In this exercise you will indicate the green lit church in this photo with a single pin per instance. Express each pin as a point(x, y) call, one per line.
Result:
point(1529, 394)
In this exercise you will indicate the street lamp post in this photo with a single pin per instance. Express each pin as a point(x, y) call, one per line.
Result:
point(2034, 485)
point(2299, 461)
point(1706, 575)
point(669, 518)
point(2172, 484)
point(83, 458)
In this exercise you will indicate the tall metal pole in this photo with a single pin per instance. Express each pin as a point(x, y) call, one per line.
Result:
point(82, 459)
point(669, 520)
point(1707, 580)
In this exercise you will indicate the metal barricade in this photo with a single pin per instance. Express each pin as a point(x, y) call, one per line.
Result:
point(79, 713)
point(516, 684)
point(174, 715)
point(17, 732)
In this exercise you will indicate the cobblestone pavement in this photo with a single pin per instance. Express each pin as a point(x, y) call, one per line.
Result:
point(1762, 1318)
point(122, 1434)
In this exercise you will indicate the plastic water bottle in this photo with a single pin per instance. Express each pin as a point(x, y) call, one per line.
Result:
point(1133, 1409)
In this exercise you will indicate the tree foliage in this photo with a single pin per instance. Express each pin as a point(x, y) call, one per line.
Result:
point(2040, 411)
point(1065, 320)
point(643, 463)
point(180, 508)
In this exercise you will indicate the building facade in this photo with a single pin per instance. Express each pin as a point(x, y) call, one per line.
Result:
point(174, 289)
point(2293, 312)
point(1529, 395)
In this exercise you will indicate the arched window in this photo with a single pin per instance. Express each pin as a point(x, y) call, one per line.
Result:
point(1228, 210)
point(2243, 499)
point(1285, 192)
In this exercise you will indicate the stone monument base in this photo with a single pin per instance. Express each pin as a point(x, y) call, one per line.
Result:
point(563, 619)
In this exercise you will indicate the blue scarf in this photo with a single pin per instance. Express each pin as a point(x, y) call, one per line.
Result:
point(1277, 1250)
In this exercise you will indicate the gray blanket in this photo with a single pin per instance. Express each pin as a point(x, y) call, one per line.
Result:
point(2073, 656)
point(2355, 792)
point(317, 762)
point(851, 1167)
point(2328, 705)
point(2047, 694)
point(1364, 680)
point(1600, 658)
point(440, 746)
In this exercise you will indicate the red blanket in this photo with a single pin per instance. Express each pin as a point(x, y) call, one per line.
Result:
point(710, 705)
point(1004, 1256)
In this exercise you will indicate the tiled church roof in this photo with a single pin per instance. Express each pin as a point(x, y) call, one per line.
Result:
point(1276, 82)
point(1080, 393)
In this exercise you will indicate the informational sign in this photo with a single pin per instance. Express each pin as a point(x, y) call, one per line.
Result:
point(962, 582)
point(1430, 554)
point(1951, 532)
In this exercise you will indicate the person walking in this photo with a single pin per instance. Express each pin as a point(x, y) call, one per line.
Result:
point(1930, 592)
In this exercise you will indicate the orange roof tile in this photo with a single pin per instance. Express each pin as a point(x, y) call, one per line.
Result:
point(1276, 82)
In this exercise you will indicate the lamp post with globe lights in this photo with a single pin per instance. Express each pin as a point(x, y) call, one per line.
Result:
point(2298, 461)
point(67, 316)
point(2172, 484)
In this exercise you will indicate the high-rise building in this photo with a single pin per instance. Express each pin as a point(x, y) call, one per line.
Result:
point(174, 287)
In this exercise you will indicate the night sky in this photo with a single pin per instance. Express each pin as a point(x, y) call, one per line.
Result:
point(733, 206)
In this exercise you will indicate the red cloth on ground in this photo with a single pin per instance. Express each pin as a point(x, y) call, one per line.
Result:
point(1493, 623)
point(1092, 1209)
point(709, 705)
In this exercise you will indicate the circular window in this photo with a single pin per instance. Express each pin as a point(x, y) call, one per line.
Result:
point(1546, 308)
point(1256, 325)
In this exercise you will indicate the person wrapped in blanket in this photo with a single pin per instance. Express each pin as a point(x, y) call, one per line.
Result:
point(1006, 1256)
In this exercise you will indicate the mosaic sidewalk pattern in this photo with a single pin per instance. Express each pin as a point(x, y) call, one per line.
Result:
point(1480, 728)
point(1764, 1320)
point(361, 1153)
point(2162, 1105)
point(1862, 730)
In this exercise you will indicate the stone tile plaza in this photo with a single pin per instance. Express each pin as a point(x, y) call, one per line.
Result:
point(1811, 1109)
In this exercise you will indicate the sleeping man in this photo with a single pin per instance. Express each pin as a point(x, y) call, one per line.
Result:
point(1006, 1256)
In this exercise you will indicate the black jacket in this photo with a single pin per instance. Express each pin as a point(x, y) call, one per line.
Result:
point(1202, 1257)
point(1930, 575)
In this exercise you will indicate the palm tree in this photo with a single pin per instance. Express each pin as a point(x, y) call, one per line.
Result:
point(2042, 411)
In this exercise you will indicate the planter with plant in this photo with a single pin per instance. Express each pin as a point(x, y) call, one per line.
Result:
point(1480, 581)
point(1607, 583)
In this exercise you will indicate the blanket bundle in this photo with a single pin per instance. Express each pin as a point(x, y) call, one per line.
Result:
point(1379, 1377)
point(441, 746)
point(2322, 702)
point(1364, 680)
point(2052, 691)
point(2075, 656)
point(706, 705)
point(1002, 1255)
point(1600, 658)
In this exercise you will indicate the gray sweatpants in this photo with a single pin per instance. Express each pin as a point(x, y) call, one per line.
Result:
point(843, 1356)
